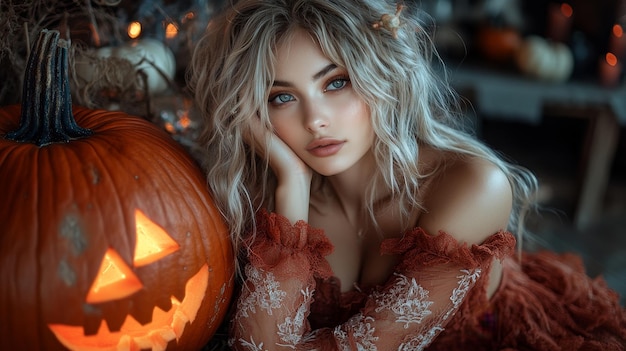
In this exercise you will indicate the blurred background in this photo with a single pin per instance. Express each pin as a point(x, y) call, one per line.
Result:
point(542, 82)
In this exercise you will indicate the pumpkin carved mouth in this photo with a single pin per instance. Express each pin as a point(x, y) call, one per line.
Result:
point(164, 327)
point(78, 266)
point(116, 280)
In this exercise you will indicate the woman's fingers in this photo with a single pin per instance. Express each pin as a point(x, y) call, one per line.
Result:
point(283, 160)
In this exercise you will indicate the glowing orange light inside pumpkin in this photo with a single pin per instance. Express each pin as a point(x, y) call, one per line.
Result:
point(164, 327)
point(611, 59)
point(115, 280)
point(618, 31)
point(567, 10)
point(134, 30)
point(170, 30)
point(153, 242)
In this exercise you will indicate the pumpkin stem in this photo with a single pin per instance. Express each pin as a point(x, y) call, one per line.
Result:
point(46, 115)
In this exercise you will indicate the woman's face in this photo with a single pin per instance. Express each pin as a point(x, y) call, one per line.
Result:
point(314, 109)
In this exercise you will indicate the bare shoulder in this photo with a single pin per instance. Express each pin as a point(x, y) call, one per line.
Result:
point(470, 199)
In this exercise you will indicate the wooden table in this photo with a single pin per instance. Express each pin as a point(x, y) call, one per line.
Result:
point(510, 96)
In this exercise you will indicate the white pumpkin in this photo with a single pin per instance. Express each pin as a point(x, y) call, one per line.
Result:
point(545, 60)
point(148, 55)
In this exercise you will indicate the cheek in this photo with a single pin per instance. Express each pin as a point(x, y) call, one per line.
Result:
point(354, 110)
point(364, 120)
point(287, 129)
point(358, 115)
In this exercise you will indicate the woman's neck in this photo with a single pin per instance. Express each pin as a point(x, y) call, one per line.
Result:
point(350, 188)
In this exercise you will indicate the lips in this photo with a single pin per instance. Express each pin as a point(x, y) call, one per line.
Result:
point(325, 147)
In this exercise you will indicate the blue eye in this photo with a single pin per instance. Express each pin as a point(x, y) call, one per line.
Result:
point(337, 84)
point(280, 99)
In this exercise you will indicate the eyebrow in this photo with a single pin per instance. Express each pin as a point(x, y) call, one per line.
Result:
point(316, 76)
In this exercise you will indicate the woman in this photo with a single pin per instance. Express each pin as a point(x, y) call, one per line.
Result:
point(366, 218)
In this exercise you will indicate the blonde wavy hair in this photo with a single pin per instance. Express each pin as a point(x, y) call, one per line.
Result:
point(396, 74)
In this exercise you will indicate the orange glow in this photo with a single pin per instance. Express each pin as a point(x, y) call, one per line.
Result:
point(189, 16)
point(170, 30)
point(611, 59)
point(567, 10)
point(170, 127)
point(618, 31)
point(153, 243)
point(115, 280)
point(184, 121)
point(134, 30)
point(164, 327)
point(94, 35)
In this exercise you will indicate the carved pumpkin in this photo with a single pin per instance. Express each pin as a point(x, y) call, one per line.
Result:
point(109, 238)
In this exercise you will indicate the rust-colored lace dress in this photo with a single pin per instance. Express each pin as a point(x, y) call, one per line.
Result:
point(435, 300)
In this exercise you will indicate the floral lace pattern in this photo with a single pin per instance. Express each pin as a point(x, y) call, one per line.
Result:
point(289, 330)
point(466, 280)
point(360, 329)
point(419, 342)
point(266, 293)
point(406, 299)
point(406, 313)
point(250, 345)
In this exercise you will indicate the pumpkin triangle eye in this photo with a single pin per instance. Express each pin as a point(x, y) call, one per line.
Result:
point(115, 280)
point(153, 242)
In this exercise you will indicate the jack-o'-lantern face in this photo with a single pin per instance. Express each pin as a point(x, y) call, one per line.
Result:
point(109, 237)
point(117, 280)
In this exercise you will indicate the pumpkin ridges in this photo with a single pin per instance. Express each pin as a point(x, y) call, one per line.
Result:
point(172, 174)
point(108, 183)
point(109, 177)
point(13, 252)
point(57, 185)
point(76, 154)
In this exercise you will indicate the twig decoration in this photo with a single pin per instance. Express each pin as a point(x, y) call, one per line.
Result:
point(390, 22)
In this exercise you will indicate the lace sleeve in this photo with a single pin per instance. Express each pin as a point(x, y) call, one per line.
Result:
point(407, 313)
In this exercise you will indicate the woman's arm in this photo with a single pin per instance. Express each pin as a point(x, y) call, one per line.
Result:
point(294, 176)
point(411, 309)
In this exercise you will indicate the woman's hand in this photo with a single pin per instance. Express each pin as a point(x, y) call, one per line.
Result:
point(294, 176)
point(283, 160)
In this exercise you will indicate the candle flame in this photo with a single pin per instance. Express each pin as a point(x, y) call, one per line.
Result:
point(567, 10)
point(611, 59)
point(134, 30)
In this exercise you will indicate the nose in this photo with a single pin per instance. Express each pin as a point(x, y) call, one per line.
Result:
point(316, 118)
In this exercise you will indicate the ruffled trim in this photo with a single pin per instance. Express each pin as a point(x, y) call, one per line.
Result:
point(418, 248)
point(277, 240)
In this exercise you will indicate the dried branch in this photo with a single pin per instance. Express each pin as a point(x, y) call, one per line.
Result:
point(35, 15)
